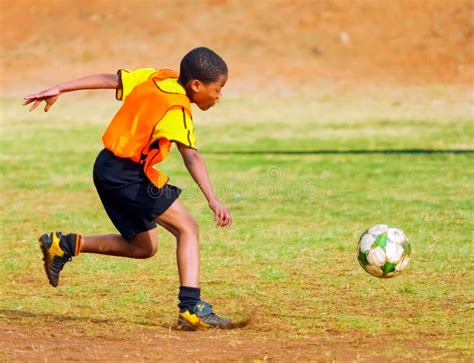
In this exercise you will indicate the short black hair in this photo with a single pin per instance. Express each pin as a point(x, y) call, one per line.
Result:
point(202, 64)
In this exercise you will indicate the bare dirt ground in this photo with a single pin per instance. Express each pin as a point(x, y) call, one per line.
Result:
point(265, 43)
point(51, 343)
point(48, 344)
point(419, 42)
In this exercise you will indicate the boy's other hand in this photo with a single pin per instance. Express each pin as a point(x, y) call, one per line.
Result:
point(50, 96)
point(222, 215)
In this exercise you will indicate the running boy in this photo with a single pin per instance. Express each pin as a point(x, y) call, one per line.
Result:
point(156, 113)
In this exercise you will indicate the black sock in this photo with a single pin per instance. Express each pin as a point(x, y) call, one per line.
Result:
point(188, 298)
point(71, 243)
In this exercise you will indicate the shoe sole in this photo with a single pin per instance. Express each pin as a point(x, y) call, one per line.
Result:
point(46, 259)
point(185, 325)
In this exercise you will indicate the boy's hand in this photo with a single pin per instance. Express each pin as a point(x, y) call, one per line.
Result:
point(222, 215)
point(50, 96)
point(197, 168)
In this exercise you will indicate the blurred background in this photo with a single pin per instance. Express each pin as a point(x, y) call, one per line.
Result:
point(269, 45)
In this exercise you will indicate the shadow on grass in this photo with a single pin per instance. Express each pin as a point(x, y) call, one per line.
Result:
point(336, 152)
point(21, 315)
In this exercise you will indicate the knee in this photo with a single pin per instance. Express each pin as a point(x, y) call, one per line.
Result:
point(143, 245)
point(146, 251)
point(152, 250)
point(190, 228)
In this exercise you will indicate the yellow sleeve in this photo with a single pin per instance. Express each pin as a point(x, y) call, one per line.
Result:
point(128, 80)
point(176, 126)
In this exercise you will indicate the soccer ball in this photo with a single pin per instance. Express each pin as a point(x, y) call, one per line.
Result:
point(384, 251)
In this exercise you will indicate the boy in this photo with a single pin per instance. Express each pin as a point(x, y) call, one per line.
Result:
point(156, 113)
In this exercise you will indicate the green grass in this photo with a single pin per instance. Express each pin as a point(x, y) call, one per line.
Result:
point(290, 256)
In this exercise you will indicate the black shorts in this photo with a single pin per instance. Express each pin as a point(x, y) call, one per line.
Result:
point(130, 199)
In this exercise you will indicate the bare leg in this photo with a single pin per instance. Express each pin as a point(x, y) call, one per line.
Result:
point(183, 226)
point(143, 245)
point(169, 228)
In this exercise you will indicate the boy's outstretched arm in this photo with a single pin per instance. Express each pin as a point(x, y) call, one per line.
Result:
point(197, 168)
point(98, 81)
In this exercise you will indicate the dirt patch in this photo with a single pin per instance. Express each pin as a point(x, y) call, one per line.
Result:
point(267, 43)
point(50, 342)
point(30, 336)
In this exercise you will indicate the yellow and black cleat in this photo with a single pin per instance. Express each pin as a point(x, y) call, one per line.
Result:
point(202, 317)
point(57, 250)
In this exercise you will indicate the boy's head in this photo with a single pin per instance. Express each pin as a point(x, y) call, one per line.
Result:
point(203, 74)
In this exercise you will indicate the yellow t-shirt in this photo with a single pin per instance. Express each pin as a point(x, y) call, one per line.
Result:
point(177, 124)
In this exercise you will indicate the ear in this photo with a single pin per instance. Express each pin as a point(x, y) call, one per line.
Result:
point(195, 85)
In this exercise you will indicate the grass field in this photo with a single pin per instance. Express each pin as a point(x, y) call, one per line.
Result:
point(289, 260)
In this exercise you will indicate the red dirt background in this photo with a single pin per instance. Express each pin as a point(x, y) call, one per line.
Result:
point(357, 41)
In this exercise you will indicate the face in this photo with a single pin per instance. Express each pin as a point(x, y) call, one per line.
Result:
point(206, 95)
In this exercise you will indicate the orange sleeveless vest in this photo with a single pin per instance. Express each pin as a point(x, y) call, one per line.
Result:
point(130, 132)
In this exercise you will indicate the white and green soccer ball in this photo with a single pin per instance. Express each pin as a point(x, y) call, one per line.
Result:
point(384, 251)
